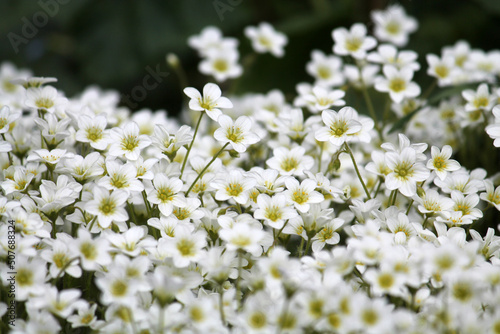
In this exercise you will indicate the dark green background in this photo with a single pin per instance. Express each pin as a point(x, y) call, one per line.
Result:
point(111, 42)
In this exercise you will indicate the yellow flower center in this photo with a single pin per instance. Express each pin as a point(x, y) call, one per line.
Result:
point(397, 85)
point(273, 213)
point(220, 65)
point(186, 247)
point(24, 277)
point(324, 72)
point(442, 71)
point(289, 163)
point(353, 44)
point(119, 288)
point(439, 163)
point(234, 134)
point(119, 181)
point(257, 320)
point(129, 143)
point(481, 102)
point(165, 194)
point(94, 134)
point(393, 28)
point(44, 103)
point(300, 196)
point(107, 206)
point(60, 259)
point(385, 280)
point(369, 316)
point(234, 189)
point(88, 250)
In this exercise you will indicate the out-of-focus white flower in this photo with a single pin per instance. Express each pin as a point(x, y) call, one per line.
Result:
point(326, 70)
point(479, 99)
point(397, 83)
point(493, 130)
point(266, 39)
point(7, 117)
point(353, 42)
point(185, 247)
point(393, 25)
point(492, 194)
point(222, 65)
point(211, 39)
point(46, 98)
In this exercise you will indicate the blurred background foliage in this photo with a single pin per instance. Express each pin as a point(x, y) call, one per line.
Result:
point(110, 43)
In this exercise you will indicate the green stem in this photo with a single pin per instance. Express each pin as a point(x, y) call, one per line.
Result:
point(146, 202)
point(395, 196)
point(320, 156)
point(348, 150)
point(206, 167)
point(11, 163)
point(191, 145)
point(221, 304)
point(301, 246)
point(369, 104)
point(240, 268)
point(132, 213)
point(379, 185)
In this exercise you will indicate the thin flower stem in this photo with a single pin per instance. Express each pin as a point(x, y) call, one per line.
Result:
point(301, 247)
point(191, 145)
point(348, 149)
point(11, 163)
point(146, 202)
point(132, 213)
point(206, 167)
point(380, 181)
point(221, 304)
point(369, 104)
point(395, 196)
point(240, 268)
point(320, 156)
point(66, 265)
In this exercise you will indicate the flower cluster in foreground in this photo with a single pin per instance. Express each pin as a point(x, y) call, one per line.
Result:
point(266, 216)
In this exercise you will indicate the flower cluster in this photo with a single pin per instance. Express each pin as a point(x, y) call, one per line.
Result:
point(273, 215)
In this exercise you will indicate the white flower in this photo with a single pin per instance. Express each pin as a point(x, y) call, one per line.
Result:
point(52, 157)
point(397, 83)
point(60, 257)
point(393, 25)
point(320, 98)
point(265, 39)
point(166, 193)
point(243, 236)
point(405, 171)
point(274, 210)
point(492, 194)
point(185, 247)
point(116, 287)
point(326, 70)
point(401, 228)
point(132, 242)
point(222, 65)
point(61, 303)
point(19, 182)
point(121, 177)
point(211, 39)
point(433, 202)
point(480, 99)
point(82, 169)
point(338, 126)
point(44, 98)
point(30, 277)
point(128, 142)
point(169, 144)
point(190, 211)
point(352, 42)
point(92, 252)
point(440, 161)
point(210, 102)
point(387, 54)
point(493, 130)
point(444, 70)
point(92, 131)
point(466, 204)
point(235, 185)
point(237, 133)
point(290, 162)
point(327, 234)
point(108, 207)
point(7, 117)
point(303, 194)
